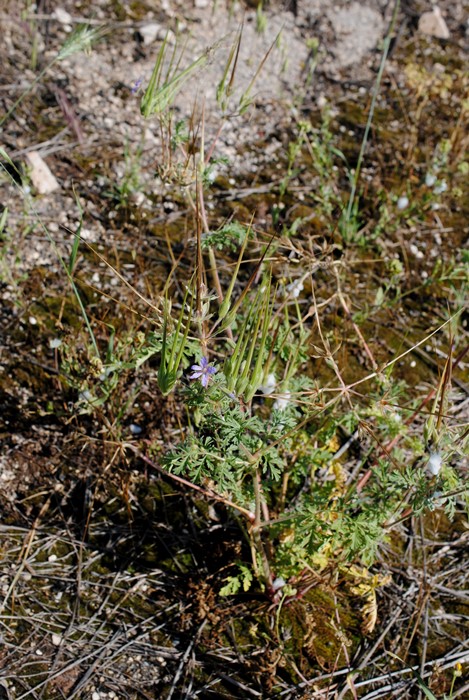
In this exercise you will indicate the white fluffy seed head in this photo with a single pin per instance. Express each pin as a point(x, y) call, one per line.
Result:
point(435, 463)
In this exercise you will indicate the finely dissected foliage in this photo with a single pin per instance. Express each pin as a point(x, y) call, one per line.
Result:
point(261, 435)
point(266, 447)
point(255, 434)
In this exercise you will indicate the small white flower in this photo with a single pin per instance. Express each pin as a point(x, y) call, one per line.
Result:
point(402, 202)
point(269, 385)
point(55, 343)
point(440, 187)
point(212, 175)
point(282, 402)
point(295, 288)
point(278, 583)
point(434, 463)
point(415, 251)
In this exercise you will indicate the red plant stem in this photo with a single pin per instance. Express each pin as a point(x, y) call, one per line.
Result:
point(180, 480)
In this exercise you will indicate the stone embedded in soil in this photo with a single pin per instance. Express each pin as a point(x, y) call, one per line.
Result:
point(433, 24)
point(151, 32)
point(358, 29)
point(41, 176)
point(64, 17)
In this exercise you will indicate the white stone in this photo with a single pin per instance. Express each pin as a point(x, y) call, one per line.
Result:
point(56, 640)
point(62, 16)
point(87, 234)
point(40, 174)
point(433, 24)
point(151, 32)
point(358, 28)
point(321, 101)
point(138, 198)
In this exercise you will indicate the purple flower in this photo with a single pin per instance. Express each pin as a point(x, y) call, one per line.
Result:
point(136, 86)
point(203, 371)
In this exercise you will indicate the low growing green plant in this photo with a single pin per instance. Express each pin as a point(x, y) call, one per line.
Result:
point(262, 438)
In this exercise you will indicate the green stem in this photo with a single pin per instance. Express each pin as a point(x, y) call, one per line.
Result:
point(387, 43)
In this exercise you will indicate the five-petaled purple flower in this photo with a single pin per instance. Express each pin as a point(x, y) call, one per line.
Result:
point(136, 85)
point(204, 371)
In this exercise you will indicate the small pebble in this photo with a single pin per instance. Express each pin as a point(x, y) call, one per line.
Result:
point(40, 174)
point(138, 198)
point(433, 24)
point(56, 640)
point(62, 16)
